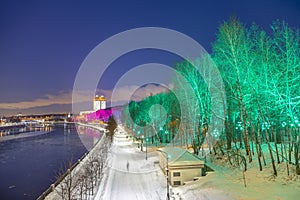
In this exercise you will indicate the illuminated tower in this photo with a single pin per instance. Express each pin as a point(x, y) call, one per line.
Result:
point(102, 103)
point(99, 103)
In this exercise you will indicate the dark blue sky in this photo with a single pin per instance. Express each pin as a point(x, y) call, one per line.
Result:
point(43, 43)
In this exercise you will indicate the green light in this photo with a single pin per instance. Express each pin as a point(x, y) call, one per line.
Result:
point(216, 133)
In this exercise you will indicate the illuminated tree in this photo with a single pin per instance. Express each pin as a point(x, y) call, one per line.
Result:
point(197, 109)
point(232, 53)
point(286, 91)
point(154, 114)
point(261, 75)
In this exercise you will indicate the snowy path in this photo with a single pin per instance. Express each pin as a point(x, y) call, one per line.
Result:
point(143, 179)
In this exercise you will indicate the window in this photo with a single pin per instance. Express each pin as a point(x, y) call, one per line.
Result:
point(176, 173)
point(177, 183)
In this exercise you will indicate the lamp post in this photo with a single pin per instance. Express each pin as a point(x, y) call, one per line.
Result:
point(144, 136)
point(167, 174)
point(146, 144)
point(142, 142)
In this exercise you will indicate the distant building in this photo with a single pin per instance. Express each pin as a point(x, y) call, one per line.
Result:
point(99, 111)
point(86, 112)
point(183, 166)
point(99, 103)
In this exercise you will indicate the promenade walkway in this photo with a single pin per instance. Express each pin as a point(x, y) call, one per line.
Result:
point(129, 175)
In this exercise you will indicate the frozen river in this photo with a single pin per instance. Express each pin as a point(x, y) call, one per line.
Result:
point(29, 165)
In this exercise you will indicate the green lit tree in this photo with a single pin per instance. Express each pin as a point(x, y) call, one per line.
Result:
point(262, 81)
point(286, 89)
point(197, 111)
point(232, 53)
point(154, 114)
point(261, 75)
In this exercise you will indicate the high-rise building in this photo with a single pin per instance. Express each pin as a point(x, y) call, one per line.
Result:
point(99, 103)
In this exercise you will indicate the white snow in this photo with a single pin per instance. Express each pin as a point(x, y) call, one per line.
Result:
point(144, 180)
point(227, 183)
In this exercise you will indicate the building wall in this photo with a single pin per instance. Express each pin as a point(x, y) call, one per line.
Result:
point(102, 105)
point(96, 105)
point(185, 175)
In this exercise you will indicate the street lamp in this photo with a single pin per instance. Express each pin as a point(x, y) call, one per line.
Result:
point(142, 142)
point(146, 144)
point(167, 174)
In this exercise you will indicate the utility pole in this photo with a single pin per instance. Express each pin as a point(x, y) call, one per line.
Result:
point(167, 172)
point(146, 144)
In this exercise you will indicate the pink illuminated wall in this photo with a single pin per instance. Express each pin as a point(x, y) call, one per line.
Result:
point(99, 115)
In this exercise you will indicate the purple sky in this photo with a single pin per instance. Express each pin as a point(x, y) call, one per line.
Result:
point(43, 43)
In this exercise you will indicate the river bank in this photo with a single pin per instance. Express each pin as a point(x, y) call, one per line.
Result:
point(77, 171)
point(29, 165)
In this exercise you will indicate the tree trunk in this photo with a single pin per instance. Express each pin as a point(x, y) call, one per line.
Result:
point(228, 133)
point(275, 144)
point(271, 155)
point(296, 154)
point(246, 134)
point(258, 146)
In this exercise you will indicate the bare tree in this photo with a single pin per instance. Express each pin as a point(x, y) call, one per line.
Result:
point(67, 184)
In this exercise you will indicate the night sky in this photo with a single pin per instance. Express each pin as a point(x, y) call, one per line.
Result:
point(44, 42)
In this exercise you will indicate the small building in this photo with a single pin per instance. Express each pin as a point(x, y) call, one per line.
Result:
point(183, 166)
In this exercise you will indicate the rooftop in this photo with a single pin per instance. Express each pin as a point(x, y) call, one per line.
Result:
point(180, 156)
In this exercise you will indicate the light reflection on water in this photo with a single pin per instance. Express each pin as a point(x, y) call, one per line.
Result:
point(29, 165)
point(28, 128)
